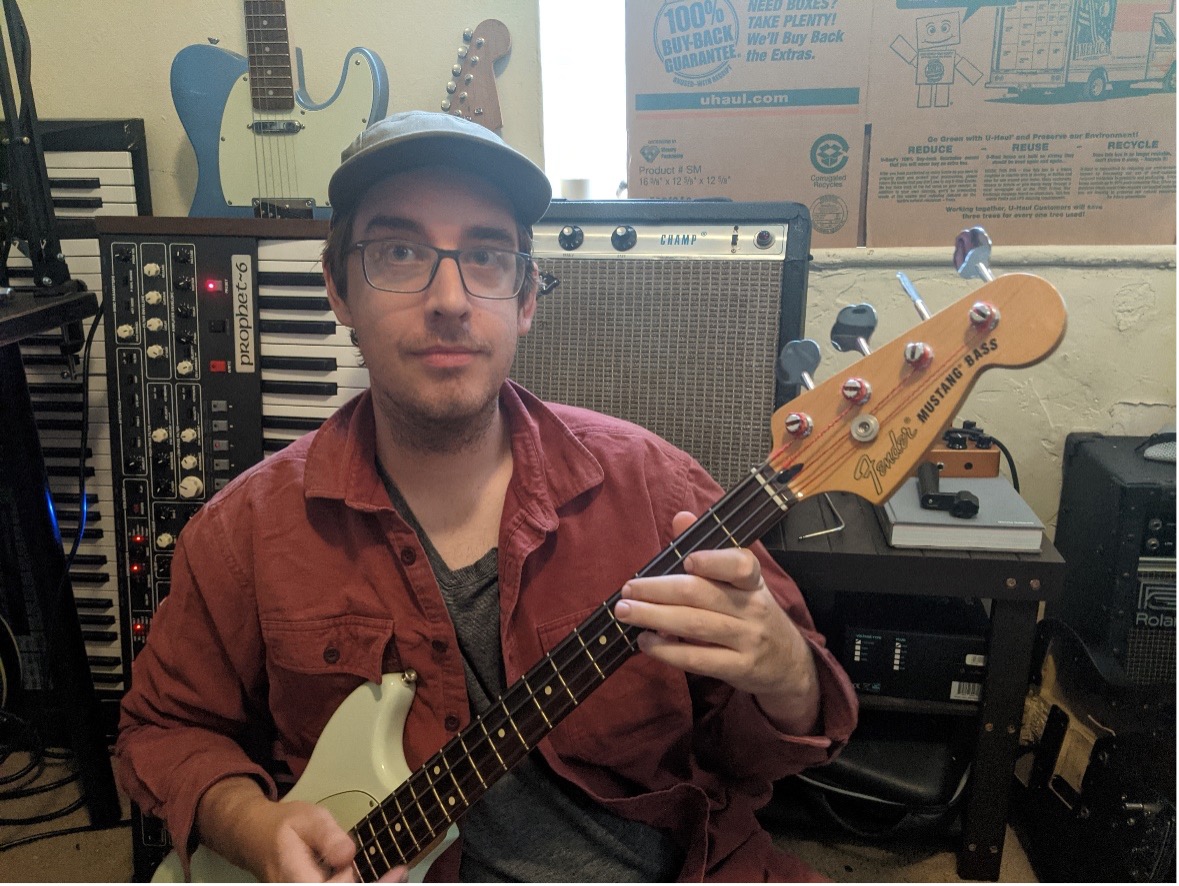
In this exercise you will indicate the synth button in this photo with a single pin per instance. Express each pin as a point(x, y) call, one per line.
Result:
point(220, 426)
point(218, 326)
point(451, 723)
point(220, 464)
point(219, 405)
point(218, 366)
point(221, 446)
point(331, 655)
point(409, 556)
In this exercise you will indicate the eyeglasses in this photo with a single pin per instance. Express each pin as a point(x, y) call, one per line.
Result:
point(402, 266)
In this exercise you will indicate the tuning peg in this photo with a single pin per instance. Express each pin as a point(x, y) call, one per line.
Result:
point(853, 327)
point(912, 293)
point(972, 254)
point(797, 360)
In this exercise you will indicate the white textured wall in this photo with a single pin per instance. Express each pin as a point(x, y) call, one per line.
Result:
point(1114, 373)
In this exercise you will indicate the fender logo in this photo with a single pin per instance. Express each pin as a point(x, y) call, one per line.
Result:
point(869, 468)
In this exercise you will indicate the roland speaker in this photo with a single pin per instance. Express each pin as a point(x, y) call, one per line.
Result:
point(671, 314)
point(1116, 532)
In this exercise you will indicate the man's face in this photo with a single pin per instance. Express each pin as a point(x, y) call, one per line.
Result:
point(436, 358)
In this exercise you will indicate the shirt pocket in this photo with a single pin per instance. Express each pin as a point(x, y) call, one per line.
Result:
point(313, 665)
point(638, 720)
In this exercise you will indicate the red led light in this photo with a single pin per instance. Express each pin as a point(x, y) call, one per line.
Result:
point(139, 628)
point(136, 568)
point(138, 539)
point(214, 285)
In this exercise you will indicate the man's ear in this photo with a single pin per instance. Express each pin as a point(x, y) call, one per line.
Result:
point(527, 305)
point(339, 305)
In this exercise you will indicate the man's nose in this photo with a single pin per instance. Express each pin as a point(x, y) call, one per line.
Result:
point(447, 291)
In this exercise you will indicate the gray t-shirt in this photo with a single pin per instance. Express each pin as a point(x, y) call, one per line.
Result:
point(531, 825)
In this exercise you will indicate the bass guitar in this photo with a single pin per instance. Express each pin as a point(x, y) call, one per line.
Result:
point(863, 437)
point(263, 147)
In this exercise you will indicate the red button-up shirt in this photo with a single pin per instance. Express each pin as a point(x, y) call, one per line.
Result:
point(300, 581)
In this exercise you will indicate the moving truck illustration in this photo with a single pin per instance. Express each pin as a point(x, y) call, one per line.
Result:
point(1085, 45)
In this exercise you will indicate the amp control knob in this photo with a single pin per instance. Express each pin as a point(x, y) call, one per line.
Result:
point(159, 435)
point(624, 238)
point(184, 367)
point(191, 486)
point(188, 435)
point(153, 296)
point(155, 352)
point(570, 237)
point(189, 462)
point(154, 324)
point(165, 540)
point(125, 331)
point(152, 269)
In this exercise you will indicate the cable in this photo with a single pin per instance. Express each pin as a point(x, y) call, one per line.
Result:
point(24, 841)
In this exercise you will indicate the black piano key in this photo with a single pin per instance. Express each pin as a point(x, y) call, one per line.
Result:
point(293, 303)
point(291, 423)
point(75, 184)
point(100, 636)
point(95, 619)
point(77, 203)
point(321, 388)
point(300, 364)
point(102, 603)
point(297, 327)
point(90, 578)
point(104, 661)
point(291, 278)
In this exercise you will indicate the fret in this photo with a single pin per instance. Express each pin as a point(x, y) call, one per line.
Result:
point(372, 870)
point(401, 824)
point(470, 759)
point(450, 771)
point(494, 749)
point(442, 804)
point(588, 652)
point(564, 685)
point(536, 701)
point(725, 530)
point(622, 631)
point(391, 830)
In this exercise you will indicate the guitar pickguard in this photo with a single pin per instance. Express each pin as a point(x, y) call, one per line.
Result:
point(298, 164)
point(357, 762)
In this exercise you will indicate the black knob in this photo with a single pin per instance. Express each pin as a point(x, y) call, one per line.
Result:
point(124, 253)
point(624, 238)
point(184, 283)
point(570, 237)
point(183, 255)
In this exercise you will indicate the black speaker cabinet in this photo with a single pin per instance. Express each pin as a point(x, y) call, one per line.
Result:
point(1116, 532)
point(671, 314)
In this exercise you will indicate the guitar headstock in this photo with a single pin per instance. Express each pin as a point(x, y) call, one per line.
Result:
point(471, 92)
point(837, 441)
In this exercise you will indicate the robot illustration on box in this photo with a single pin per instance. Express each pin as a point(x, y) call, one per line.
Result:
point(936, 58)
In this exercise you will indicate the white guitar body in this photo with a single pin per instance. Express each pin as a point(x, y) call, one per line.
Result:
point(357, 762)
point(297, 165)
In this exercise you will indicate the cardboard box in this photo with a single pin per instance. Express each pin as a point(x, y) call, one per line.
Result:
point(901, 122)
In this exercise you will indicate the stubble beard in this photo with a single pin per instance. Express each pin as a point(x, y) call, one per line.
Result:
point(442, 430)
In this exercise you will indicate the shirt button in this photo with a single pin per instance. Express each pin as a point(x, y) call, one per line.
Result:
point(438, 646)
point(408, 556)
point(451, 722)
point(331, 655)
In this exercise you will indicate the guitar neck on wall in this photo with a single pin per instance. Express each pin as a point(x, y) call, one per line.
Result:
point(263, 147)
point(471, 92)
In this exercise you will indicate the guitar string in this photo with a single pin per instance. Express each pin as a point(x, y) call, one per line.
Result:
point(273, 162)
point(594, 663)
point(619, 652)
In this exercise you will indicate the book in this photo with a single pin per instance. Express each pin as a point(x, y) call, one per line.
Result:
point(1004, 522)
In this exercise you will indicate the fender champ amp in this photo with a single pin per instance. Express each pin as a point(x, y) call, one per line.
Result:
point(671, 314)
point(1116, 531)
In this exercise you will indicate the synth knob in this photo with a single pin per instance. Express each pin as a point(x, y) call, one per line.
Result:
point(153, 296)
point(125, 331)
point(183, 255)
point(191, 486)
point(856, 390)
point(159, 435)
point(570, 237)
point(165, 540)
point(152, 269)
point(188, 435)
point(189, 462)
point(184, 367)
point(984, 315)
point(623, 238)
point(184, 283)
point(918, 354)
point(799, 425)
point(155, 352)
point(154, 324)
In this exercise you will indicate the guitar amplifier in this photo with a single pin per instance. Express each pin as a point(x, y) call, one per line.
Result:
point(1116, 532)
point(671, 314)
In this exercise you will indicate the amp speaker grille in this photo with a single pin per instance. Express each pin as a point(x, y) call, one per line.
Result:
point(685, 348)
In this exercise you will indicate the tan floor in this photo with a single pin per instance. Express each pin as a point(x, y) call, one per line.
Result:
point(105, 856)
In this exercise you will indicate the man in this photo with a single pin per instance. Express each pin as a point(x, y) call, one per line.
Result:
point(449, 523)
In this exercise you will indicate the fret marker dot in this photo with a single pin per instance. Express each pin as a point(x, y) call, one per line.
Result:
point(437, 769)
point(372, 850)
point(602, 640)
point(548, 690)
point(397, 827)
point(501, 733)
point(450, 800)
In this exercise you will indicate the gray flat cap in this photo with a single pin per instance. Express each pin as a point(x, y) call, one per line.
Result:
point(410, 139)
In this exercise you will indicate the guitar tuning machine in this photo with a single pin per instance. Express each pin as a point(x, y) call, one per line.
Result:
point(972, 254)
point(456, 70)
point(468, 35)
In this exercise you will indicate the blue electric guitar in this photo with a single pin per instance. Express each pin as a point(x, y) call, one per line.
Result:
point(263, 147)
